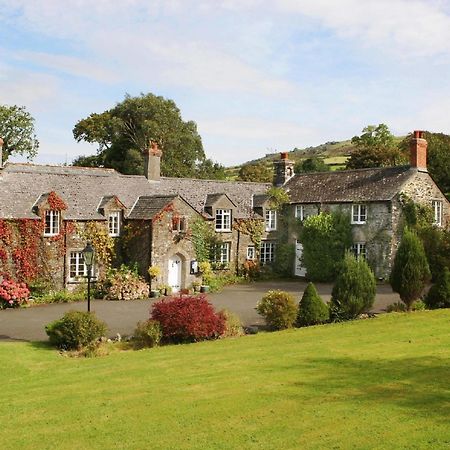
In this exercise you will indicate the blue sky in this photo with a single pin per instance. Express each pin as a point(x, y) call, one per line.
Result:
point(257, 76)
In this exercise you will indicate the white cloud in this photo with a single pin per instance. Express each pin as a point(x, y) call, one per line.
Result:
point(70, 65)
point(414, 27)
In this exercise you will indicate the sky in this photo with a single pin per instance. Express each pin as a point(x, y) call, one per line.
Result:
point(257, 76)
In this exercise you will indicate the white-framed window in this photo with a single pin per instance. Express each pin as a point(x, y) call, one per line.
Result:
point(223, 220)
point(77, 267)
point(52, 219)
point(251, 253)
point(114, 223)
point(299, 212)
point(271, 220)
point(437, 210)
point(359, 249)
point(267, 254)
point(359, 213)
point(179, 224)
point(222, 253)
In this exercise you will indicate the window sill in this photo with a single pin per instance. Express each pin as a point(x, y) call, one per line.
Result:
point(223, 231)
point(359, 223)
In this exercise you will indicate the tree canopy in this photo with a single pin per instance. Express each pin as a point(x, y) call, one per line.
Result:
point(124, 132)
point(311, 165)
point(17, 132)
point(256, 172)
point(376, 147)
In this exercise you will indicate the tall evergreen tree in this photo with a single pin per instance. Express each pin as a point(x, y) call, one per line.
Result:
point(410, 272)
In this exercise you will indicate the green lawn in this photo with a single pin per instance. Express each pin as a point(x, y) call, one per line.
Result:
point(380, 383)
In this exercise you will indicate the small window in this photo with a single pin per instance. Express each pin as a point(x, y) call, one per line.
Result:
point(114, 223)
point(300, 212)
point(52, 218)
point(223, 220)
point(251, 252)
point(271, 220)
point(437, 210)
point(267, 254)
point(359, 214)
point(179, 224)
point(77, 267)
point(222, 253)
point(359, 249)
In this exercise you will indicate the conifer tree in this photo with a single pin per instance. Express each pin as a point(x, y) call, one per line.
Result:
point(410, 272)
point(354, 290)
point(439, 294)
point(312, 310)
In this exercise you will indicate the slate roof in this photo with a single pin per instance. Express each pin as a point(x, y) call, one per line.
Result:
point(360, 185)
point(259, 200)
point(82, 189)
point(211, 199)
point(147, 207)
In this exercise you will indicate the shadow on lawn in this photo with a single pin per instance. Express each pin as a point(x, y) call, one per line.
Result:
point(419, 383)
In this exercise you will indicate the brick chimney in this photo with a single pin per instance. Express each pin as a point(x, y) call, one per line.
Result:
point(152, 162)
point(283, 170)
point(1, 153)
point(418, 151)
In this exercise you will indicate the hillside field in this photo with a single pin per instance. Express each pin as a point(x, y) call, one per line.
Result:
point(376, 383)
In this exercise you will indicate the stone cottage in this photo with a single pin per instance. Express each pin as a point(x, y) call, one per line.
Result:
point(373, 200)
point(44, 209)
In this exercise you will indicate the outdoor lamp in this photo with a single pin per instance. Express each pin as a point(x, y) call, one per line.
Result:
point(88, 256)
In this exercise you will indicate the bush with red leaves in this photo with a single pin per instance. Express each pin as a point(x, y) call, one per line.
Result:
point(188, 319)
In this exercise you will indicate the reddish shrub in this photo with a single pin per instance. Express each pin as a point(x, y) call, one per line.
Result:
point(12, 294)
point(188, 319)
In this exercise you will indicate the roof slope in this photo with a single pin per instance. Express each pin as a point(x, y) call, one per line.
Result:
point(148, 206)
point(83, 188)
point(364, 185)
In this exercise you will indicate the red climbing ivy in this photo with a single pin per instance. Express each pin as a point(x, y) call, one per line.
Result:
point(55, 202)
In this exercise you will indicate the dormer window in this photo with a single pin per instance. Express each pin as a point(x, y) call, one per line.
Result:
point(52, 219)
point(359, 214)
point(223, 219)
point(114, 223)
point(271, 220)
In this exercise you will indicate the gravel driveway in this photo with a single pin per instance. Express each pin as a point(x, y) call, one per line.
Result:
point(121, 317)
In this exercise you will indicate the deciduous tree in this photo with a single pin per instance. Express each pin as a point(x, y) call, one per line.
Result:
point(375, 147)
point(124, 132)
point(17, 132)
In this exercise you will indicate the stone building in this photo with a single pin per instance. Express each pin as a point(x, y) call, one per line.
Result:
point(373, 200)
point(42, 238)
point(45, 210)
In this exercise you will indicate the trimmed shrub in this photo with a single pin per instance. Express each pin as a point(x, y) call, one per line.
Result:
point(75, 330)
point(13, 294)
point(410, 272)
point(418, 305)
point(439, 294)
point(278, 309)
point(147, 334)
point(312, 310)
point(188, 319)
point(354, 290)
point(233, 324)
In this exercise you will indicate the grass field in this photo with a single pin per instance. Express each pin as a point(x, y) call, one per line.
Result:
point(379, 383)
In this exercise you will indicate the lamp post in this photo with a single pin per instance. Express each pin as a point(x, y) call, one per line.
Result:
point(88, 256)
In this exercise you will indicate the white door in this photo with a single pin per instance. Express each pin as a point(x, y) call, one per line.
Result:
point(300, 271)
point(174, 280)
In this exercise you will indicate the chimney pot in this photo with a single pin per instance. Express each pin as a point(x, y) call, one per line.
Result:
point(284, 155)
point(152, 162)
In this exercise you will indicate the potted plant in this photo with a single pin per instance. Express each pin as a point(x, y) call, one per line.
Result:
point(154, 272)
point(207, 274)
point(196, 286)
